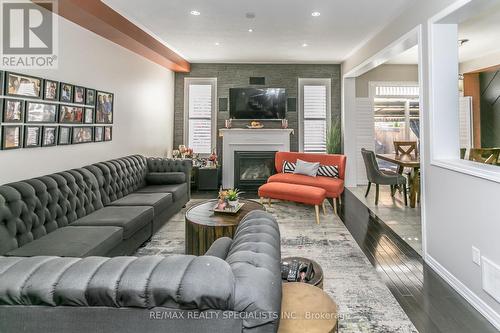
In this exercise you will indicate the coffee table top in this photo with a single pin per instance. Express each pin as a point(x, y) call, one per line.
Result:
point(203, 213)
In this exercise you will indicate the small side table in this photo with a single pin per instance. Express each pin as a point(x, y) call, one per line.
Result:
point(306, 308)
point(208, 178)
point(317, 279)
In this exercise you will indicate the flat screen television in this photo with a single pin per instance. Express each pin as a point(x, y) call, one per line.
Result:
point(257, 103)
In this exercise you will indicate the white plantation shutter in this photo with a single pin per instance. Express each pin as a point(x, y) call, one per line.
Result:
point(315, 111)
point(200, 110)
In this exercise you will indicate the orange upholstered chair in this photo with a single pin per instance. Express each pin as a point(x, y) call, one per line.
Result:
point(334, 186)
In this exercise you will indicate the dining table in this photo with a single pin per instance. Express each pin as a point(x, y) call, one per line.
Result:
point(411, 161)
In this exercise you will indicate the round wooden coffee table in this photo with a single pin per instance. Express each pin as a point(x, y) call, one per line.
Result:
point(305, 308)
point(203, 226)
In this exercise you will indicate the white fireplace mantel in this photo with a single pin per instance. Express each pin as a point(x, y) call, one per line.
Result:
point(241, 139)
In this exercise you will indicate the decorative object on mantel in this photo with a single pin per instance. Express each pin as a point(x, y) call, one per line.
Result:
point(284, 123)
point(255, 125)
point(228, 123)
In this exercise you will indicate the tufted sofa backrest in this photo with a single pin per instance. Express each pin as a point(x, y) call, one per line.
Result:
point(33, 208)
point(117, 178)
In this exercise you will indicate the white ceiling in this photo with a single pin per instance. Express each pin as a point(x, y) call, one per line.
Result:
point(280, 27)
point(483, 32)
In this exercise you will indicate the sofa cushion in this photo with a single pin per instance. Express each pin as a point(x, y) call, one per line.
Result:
point(306, 168)
point(333, 186)
point(130, 218)
point(73, 242)
point(159, 201)
point(165, 178)
point(177, 190)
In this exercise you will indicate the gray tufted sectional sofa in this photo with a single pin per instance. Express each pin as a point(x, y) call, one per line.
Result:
point(108, 208)
point(61, 269)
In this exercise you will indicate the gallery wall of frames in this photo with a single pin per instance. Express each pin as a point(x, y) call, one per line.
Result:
point(37, 112)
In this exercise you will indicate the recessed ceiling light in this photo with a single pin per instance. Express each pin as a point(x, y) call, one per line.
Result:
point(217, 43)
point(305, 45)
point(250, 30)
point(195, 13)
point(315, 14)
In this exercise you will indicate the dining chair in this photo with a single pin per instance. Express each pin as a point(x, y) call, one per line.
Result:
point(406, 148)
point(379, 177)
point(483, 155)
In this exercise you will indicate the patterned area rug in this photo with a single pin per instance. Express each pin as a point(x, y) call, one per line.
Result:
point(365, 303)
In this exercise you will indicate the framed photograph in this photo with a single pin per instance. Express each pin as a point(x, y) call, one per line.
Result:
point(90, 97)
point(13, 110)
point(82, 134)
point(12, 137)
point(51, 90)
point(64, 137)
point(79, 95)
point(23, 85)
point(108, 133)
point(89, 116)
point(71, 114)
point(32, 136)
point(104, 108)
point(98, 134)
point(2, 74)
point(38, 112)
point(66, 93)
point(49, 136)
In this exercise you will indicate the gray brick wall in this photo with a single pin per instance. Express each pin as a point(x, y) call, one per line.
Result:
point(237, 76)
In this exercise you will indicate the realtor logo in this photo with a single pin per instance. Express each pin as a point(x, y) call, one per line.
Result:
point(29, 34)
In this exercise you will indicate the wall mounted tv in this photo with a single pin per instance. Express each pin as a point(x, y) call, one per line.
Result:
point(257, 103)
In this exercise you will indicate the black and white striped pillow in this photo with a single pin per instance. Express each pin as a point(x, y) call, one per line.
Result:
point(328, 171)
point(288, 167)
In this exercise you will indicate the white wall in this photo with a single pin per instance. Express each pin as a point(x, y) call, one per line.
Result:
point(389, 72)
point(143, 108)
point(459, 208)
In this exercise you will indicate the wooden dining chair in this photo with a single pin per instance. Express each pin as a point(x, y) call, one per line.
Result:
point(406, 148)
point(483, 155)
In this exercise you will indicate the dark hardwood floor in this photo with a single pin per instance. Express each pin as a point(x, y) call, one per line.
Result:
point(430, 303)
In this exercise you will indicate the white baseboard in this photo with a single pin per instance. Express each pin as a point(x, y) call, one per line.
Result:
point(481, 306)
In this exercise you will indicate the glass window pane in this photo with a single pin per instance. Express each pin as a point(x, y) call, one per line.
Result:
point(200, 135)
point(200, 101)
point(314, 136)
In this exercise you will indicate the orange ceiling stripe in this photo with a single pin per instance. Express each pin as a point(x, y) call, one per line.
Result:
point(101, 19)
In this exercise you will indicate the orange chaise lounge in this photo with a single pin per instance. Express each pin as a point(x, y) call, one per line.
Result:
point(334, 187)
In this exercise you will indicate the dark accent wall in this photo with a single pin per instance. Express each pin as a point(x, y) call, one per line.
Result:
point(490, 109)
point(238, 75)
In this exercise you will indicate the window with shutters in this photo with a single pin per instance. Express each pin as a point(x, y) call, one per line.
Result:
point(314, 108)
point(199, 126)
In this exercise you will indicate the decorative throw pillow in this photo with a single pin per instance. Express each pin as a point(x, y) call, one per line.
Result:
point(328, 171)
point(307, 168)
point(288, 167)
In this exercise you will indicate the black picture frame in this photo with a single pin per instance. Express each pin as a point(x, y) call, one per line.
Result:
point(88, 112)
point(10, 83)
point(79, 95)
point(6, 106)
point(49, 84)
point(52, 119)
point(49, 136)
point(110, 129)
point(64, 135)
point(104, 112)
point(78, 131)
point(2, 75)
point(90, 97)
point(66, 92)
point(6, 129)
point(99, 134)
point(27, 136)
point(71, 114)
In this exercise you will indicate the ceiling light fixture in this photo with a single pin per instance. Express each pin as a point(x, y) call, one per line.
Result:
point(217, 43)
point(305, 45)
point(315, 14)
point(195, 13)
point(250, 30)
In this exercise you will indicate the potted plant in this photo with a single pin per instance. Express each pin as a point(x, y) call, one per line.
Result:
point(232, 196)
point(334, 138)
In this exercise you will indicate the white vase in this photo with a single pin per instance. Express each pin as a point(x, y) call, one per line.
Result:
point(233, 203)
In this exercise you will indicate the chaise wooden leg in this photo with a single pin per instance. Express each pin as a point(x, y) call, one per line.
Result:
point(376, 194)
point(270, 200)
point(316, 208)
point(323, 206)
point(335, 207)
point(261, 200)
point(368, 189)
